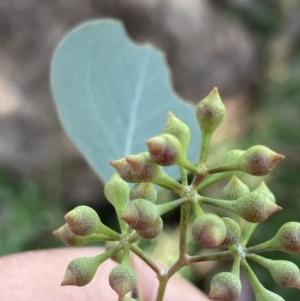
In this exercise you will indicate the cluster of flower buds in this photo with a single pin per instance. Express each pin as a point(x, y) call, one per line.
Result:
point(139, 215)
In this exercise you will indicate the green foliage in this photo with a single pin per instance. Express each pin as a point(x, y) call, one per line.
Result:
point(87, 77)
point(27, 216)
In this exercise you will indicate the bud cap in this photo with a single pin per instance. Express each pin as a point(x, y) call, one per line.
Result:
point(83, 220)
point(122, 279)
point(209, 230)
point(225, 286)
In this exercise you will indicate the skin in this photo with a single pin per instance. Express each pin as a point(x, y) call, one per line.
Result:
point(36, 275)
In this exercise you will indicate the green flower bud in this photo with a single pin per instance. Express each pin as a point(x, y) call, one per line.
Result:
point(254, 207)
point(225, 286)
point(287, 238)
point(68, 237)
point(123, 169)
point(180, 130)
point(259, 160)
point(122, 279)
point(152, 231)
point(210, 112)
point(209, 230)
point(116, 191)
point(263, 188)
point(165, 150)
point(83, 220)
point(140, 214)
point(266, 295)
point(285, 273)
point(232, 156)
point(81, 271)
point(235, 189)
point(233, 232)
point(143, 191)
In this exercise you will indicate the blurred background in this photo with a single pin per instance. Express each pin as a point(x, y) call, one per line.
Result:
point(249, 49)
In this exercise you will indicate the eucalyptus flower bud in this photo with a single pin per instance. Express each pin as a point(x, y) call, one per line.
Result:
point(143, 168)
point(81, 271)
point(68, 237)
point(287, 238)
point(235, 189)
point(285, 273)
point(180, 130)
point(233, 232)
point(165, 150)
point(259, 160)
point(140, 214)
point(152, 231)
point(225, 286)
point(254, 207)
point(116, 191)
point(143, 190)
point(122, 279)
point(83, 220)
point(263, 189)
point(266, 295)
point(123, 168)
point(210, 112)
point(209, 230)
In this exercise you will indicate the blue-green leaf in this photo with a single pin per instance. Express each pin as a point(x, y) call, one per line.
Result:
point(113, 94)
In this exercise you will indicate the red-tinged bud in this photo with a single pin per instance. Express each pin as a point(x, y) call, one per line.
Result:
point(81, 271)
point(116, 191)
point(209, 230)
point(285, 273)
point(180, 130)
point(210, 112)
point(143, 168)
point(259, 160)
point(68, 237)
point(254, 207)
point(143, 191)
point(140, 214)
point(225, 286)
point(165, 150)
point(123, 169)
point(83, 220)
point(287, 238)
point(233, 232)
point(122, 279)
point(235, 189)
point(152, 231)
